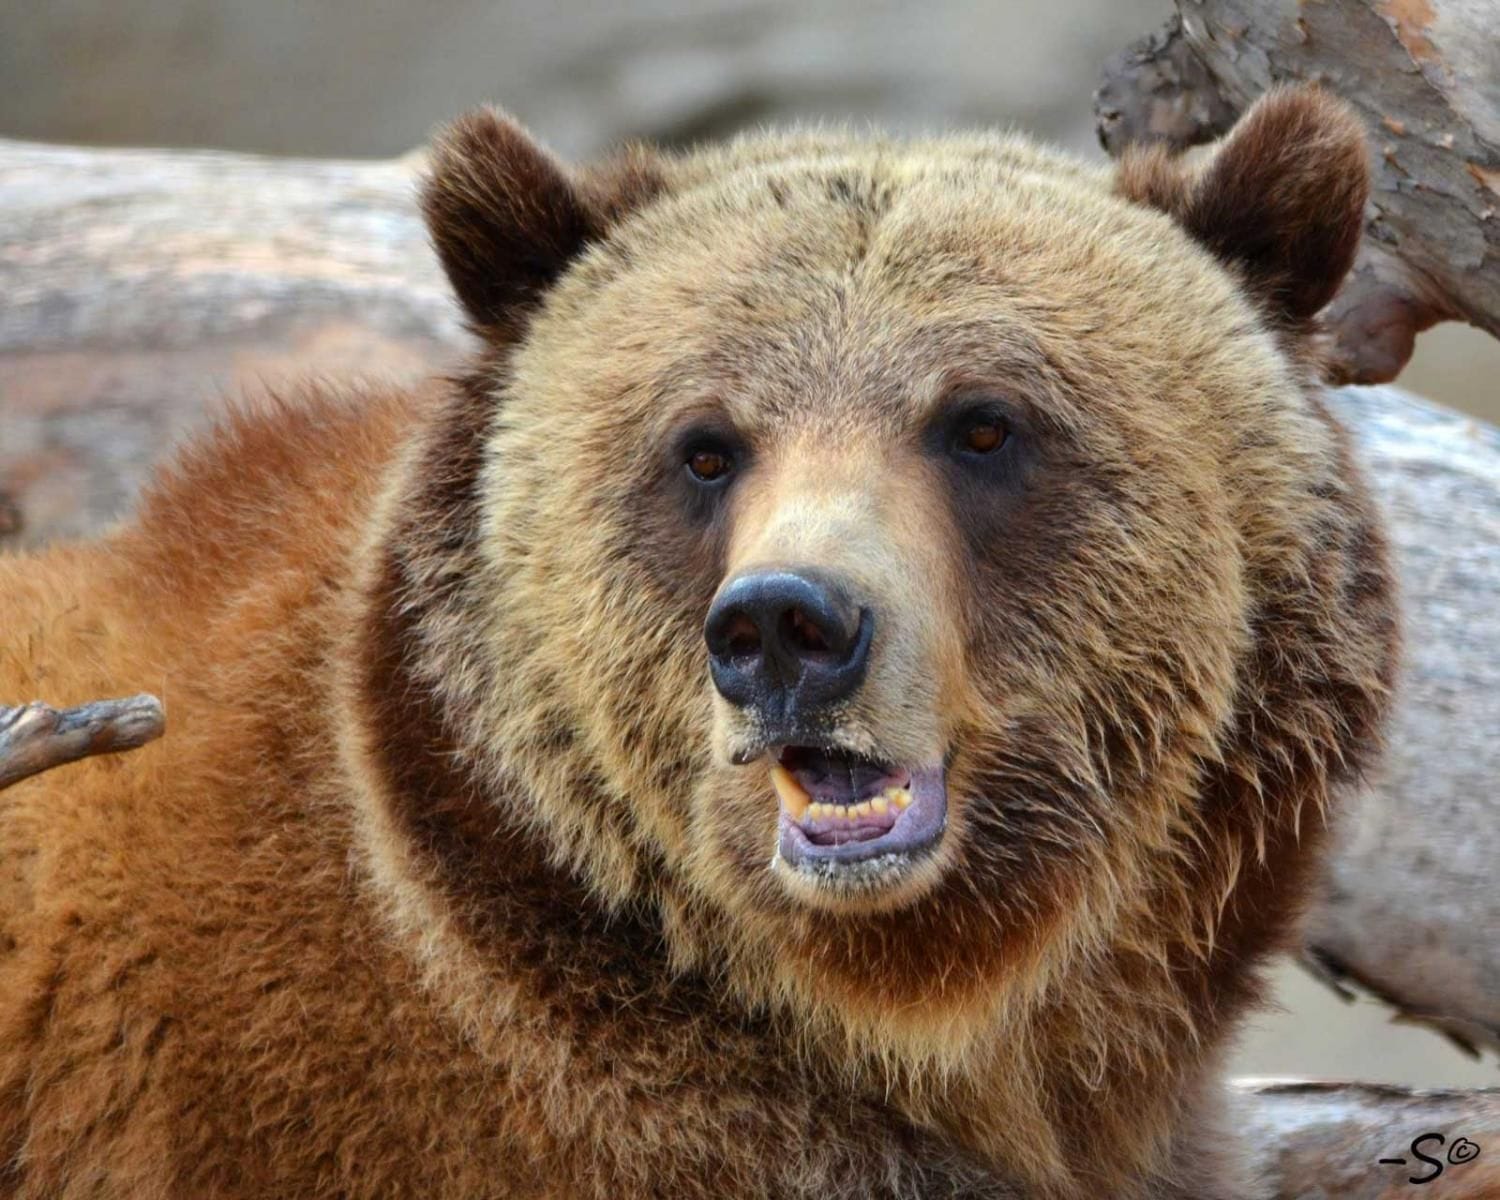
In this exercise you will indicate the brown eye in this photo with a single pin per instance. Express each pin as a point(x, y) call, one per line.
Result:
point(983, 437)
point(708, 465)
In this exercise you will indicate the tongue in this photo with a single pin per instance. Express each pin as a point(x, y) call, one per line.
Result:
point(835, 831)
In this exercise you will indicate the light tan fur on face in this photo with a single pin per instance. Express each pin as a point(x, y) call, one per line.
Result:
point(444, 880)
point(867, 517)
point(864, 513)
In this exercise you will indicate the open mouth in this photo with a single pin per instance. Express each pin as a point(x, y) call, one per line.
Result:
point(837, 807)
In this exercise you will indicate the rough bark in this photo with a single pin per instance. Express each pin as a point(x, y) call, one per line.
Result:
point(1407, 910)
point(142, 286)
point(35, 738)
point(1422, 74)
point(1326, 1140)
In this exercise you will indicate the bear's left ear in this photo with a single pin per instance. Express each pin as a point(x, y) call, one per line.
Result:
point(506, 218)
point(1280, 200)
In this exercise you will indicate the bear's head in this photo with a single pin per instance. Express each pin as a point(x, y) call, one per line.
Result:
point(929, 561)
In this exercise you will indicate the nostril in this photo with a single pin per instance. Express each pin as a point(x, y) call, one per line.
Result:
point(742, 637)
point(803, 634)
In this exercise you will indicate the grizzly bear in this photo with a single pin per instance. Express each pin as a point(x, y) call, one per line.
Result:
point(840, 697)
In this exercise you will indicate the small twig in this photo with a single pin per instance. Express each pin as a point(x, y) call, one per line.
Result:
point(35, 737)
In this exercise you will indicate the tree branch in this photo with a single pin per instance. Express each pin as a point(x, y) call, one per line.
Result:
point(35, 738)
point(1406, 908)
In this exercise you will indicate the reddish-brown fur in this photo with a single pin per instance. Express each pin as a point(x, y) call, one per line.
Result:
point(442, 881)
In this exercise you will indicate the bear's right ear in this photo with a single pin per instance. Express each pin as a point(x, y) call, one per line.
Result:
point(506, 217)
point(1280, 201)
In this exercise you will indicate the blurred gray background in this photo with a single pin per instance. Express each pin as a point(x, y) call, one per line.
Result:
point(369, 78)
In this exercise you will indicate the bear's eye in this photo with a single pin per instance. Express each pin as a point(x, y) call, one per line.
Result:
point(708, 464)
point(981, 434)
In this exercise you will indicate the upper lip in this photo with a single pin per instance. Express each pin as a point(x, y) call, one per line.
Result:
point(775, 742)
point(830, 765)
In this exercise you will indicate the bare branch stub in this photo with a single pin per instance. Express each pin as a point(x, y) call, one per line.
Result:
point(1467, 1035)
point(36, 737)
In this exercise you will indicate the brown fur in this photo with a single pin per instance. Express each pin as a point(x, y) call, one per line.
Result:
point(443, 882)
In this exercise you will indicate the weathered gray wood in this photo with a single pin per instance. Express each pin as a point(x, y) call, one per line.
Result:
point(1326, 1140)
point(1408, 909)
point(1411, 902)
point(1423, 75)
point(140, 289)
point(35, 737)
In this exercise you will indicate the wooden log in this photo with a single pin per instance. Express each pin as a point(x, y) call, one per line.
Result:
point(1423, 75)
point(1327, 1140)
point(142, 288)
point(1406, 911)
point(1409, 906)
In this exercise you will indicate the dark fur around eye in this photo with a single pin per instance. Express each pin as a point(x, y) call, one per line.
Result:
point(706, 460)
point(977, 435)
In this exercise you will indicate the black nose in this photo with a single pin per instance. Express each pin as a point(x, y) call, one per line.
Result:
point(786, 642)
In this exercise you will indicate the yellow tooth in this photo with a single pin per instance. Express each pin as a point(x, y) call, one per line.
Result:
point(862, 808)
point(793, 797)
point(901, 797)
point(880, 804)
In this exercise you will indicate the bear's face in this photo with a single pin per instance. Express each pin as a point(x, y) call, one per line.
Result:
point(907, 458)
point(887, 521)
